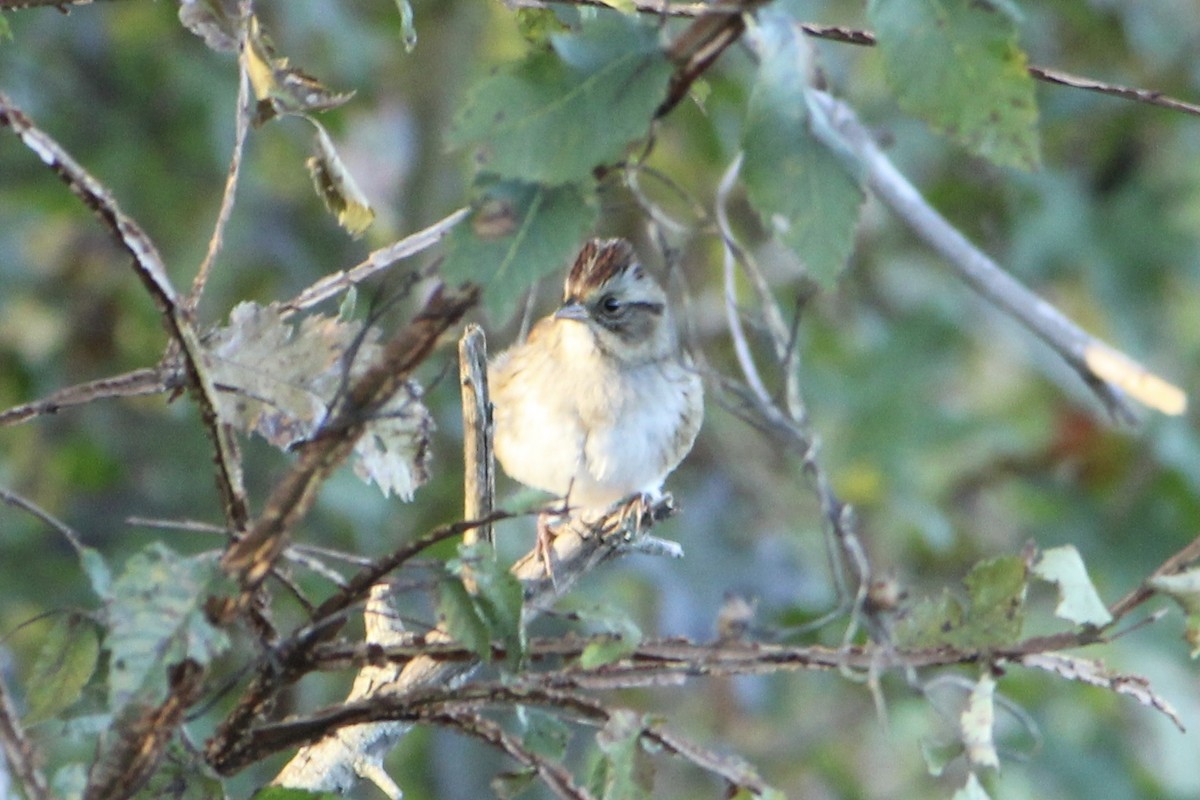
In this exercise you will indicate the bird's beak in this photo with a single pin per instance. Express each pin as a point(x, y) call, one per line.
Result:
point(573, 311)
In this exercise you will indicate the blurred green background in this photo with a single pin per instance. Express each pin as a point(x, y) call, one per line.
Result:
point(955, 434)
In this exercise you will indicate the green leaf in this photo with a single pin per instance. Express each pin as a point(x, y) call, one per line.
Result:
point(508, 785)
point(337, 187)
point(460, 615)
point(624, 636)
point(556, 115)
point(282, 793)
point(542, 733)
point(956, 64)
point(972, 790)
point(499, 599)
point(62, 668)
point(518, 233)
point(626, 774)
point(156, 619)
point(993, 614)
point(1078, 601)
point(5, 30)
point(802, 189)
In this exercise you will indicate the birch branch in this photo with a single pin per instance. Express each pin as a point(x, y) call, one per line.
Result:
point(1109, 373)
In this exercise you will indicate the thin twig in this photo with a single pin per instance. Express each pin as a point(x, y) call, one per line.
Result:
point(241, 127)
point(335, 283)
point(68, 533)
point(858, 36)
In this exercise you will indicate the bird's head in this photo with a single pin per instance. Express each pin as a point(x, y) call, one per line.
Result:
point(621, 304)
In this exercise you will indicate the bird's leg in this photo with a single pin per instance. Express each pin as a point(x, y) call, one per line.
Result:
point(544, 548)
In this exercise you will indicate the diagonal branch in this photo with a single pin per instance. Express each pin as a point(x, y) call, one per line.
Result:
point(1109, 373)
point(150, 269)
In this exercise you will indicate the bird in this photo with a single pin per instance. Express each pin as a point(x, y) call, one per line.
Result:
point(599, 402)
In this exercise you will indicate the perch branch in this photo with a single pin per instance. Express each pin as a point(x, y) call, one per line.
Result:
point(335, 761)
point(479, 462)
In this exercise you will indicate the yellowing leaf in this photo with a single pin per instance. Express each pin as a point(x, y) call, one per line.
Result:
point(279, 87)
point(337, 186)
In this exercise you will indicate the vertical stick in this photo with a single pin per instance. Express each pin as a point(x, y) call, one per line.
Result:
point(479, 475)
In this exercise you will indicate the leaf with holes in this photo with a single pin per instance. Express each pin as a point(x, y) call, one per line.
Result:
point(278, 379)
point(156, 620)
point(1078, 601)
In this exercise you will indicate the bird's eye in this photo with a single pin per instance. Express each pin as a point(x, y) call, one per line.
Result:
point(610, 303)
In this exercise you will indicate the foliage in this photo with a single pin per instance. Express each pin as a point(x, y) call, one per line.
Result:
point(957, 470)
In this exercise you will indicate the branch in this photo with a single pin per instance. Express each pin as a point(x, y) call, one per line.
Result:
point(241, 128)
point(150, 269)
point(478, 459)
point(1108, 372)
point(335, 762)
point(335, 283)
point(138, 383)
point(19, 751)
point(858, 36)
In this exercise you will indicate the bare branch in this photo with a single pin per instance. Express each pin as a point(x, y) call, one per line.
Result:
point(333, 762)
point(558, 779)
point(479, 461)
point(335, 283)
point(68, 533)
point(241, 127)
point(138, 383)
point(150, 269)
point(1087, 355)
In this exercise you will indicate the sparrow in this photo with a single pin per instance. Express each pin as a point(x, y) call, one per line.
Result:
point(599, 402)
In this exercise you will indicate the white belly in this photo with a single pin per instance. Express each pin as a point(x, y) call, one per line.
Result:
point(596, 434)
